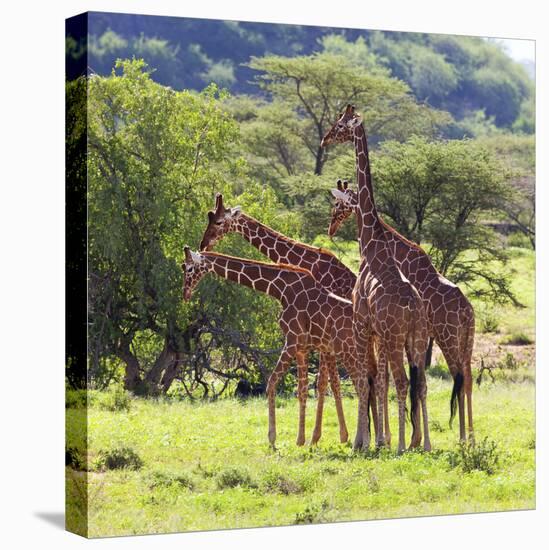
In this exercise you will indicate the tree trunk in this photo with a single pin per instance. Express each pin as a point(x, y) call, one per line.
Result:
point(319, 161)
point(131, 379)
point(162, 362)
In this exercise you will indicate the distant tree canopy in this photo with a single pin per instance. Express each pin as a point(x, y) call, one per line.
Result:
point(459, 74)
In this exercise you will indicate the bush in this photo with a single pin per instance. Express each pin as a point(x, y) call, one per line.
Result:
point(115, 399)
point(74, 459)
point(235, 477)
point(169, 478)
point(117, 459)
point(439, 370)
point(277, 482)
point(517, 339)
point(483, 456)
point(311, 514)
point(489, 322)
point(76, 399)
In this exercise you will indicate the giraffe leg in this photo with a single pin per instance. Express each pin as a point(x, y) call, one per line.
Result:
point(381, 393)
point(387, 426)
point(321, 385)
point(281, 367)
point(423, 401)
point(336, 390)
point(401, 383)
point(362, 441)
point(302, 390)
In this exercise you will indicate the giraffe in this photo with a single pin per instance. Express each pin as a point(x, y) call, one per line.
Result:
point(450, 315)
point(329, 272)
point(311, 318)
point(384, 301)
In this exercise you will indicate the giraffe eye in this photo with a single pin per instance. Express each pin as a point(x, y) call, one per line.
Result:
point(190, 269)
point(219, 222)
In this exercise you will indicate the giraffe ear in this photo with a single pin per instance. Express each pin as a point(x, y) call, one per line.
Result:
point(339, 186)
point(236, 211)
point(211, 215)
point(340, 195)
point(345, 184)
point(188, 257)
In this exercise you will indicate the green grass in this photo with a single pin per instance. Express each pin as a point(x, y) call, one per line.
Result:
point(209, 466)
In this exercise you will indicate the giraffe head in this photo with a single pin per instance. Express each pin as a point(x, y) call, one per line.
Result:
point(220, 222)
point(346, 201)
point(343, 129)
point(195, 267)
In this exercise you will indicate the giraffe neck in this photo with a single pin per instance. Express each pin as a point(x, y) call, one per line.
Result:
point(369, 226)
point(267, 278)
point(274, 245)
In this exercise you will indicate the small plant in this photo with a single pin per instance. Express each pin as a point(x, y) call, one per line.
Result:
point(235, 477)
point(73, 459)
point(483, 456)
point(436, 426)
point(76, 399)
point(373, 482)
point(115, 399)
point(311, 514)
point(517, 339)
point(276, 482)
point(169, 478)
point(117, 459)
point(489, 322)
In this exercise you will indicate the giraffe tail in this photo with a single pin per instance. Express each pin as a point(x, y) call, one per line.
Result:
point(456, 389)
point(413, 394)
point(414, 371)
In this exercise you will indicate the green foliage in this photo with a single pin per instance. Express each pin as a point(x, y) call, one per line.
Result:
point(163, 478)
point(517, 339)
point(312, 513)
point(483, 456)
point(76, 399)
point(116, 398)
point(74, 458)
point(235, 477)
point(117, 458)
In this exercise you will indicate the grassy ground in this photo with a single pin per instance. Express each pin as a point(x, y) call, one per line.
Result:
point(208, 465)
point(194, 466)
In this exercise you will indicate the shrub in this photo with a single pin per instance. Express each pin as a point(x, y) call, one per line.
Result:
point(74, 459)
point(117, 459)
point(286, 484)
point(517, 339)
point(75, 399)
point(483, 456)
point(439, 370)
point(169, 478)
point(115, 399)
point(489, 322)
point(235, 477)
point(311, 514)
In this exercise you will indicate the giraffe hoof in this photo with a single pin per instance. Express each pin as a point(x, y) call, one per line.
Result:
point(300, 441)
point(427, 447)
point(343, 437)
point(314, 439)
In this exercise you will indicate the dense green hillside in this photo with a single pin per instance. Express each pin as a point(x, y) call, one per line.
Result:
point(470, 77)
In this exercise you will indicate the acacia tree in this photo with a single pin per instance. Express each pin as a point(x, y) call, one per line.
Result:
point(312, 90)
